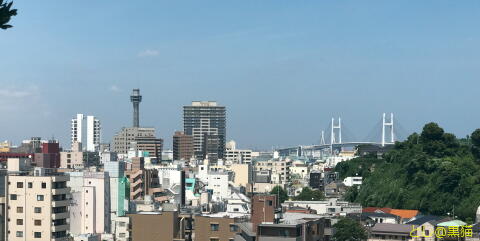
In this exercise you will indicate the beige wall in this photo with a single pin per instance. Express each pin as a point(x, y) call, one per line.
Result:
point(27, 190)
point(73, 159)
point(241, 174)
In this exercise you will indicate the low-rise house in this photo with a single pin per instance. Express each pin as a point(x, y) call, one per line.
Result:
point(380, 217)
point(390, 232)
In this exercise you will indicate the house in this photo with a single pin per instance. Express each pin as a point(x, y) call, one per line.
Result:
point(380, 217)
point(390, 232)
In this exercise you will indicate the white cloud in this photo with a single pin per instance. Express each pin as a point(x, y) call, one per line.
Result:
point(148, 53)
point(12, 98)
point(115, 88)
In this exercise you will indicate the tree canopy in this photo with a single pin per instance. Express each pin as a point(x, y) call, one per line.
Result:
point(282, 194)
point(433, 172)
point(308, 194)
point(347, 229)
point(6, 13)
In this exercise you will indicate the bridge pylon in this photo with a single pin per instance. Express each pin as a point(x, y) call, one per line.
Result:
point(333, 135)
point(387, 125)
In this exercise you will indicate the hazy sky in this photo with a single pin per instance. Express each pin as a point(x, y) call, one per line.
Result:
point(282, 68)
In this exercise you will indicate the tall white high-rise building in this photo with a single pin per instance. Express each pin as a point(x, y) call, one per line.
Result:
point(91, 132)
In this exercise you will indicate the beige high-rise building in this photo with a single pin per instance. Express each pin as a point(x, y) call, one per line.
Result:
point(38, 207)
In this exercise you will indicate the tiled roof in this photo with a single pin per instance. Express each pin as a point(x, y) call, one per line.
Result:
point(375, 209)
point(391, 228)
point(404, 213)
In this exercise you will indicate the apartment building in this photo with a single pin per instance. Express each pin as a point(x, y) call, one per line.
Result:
point(279, 169)
point(138, 138)
point(206, 122)
point(234, 155)
point(215, 227)
point(38, 207)
point(182, 146)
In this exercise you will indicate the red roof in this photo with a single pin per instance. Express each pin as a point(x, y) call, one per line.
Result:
point(402, 213)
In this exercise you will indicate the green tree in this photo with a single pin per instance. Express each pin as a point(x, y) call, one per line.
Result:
point(282, 194)
point(308, 194)
point(475, 138)
point(347, 229)
point(6, 13)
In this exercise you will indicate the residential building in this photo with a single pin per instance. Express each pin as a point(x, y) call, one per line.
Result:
point(49, 157)
point(206, 122)
point(142, 181)
point(90, 136)
point(38, 207)
point(218, 183)
point(279, 169)
point(219, 227)
point(74, 159)
point(265, 208)
point(242, 174)
point(390, 232)
point(350, 181)
point(234, 155)
point(182, 146)
point(138, 139)
point(90, 206)
point(142, 223)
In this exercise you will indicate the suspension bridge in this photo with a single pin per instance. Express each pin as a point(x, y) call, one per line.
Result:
point(388, 137)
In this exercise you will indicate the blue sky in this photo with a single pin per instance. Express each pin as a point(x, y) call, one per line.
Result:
point(282, 68)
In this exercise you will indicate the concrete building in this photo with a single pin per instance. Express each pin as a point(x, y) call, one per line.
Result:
point(206, 122)
point(167, 222)
point(38, 207)
point(90, 206)
point(350, 181)
point(234, 155)
point(265, 208)
point(279, 169)
point(74, 159)
point(242, 174)
point(215, 227)
point(139, 139)
point(49, 157)
point(86, 133)
point(142, 181)
point(182, 146)
point(119, 195)
point(218, 183)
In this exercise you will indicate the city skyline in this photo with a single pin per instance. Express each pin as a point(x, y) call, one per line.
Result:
point(308, 61)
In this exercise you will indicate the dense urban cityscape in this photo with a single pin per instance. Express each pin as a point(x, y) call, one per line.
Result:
point(200, 183)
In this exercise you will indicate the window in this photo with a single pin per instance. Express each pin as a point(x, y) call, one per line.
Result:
point(121, 235)
point(44, 185)
point(30, 185)
point(13, 196)
point(19, 234)
point(37, 222)
point(214, 226)
point(19, 221)
point(236, 210)
point(37, 235)
point(270, 203)
point(233, 228)
point(19, 184)
point(40, 198)
point(121, 224)
point(19, 209)
point(214, 239)
point(37, 210)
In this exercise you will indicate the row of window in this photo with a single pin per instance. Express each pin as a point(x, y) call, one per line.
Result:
point(36, 222)
point(216, 227)
point(19, 234)
point(39, 197)
point(30, 185)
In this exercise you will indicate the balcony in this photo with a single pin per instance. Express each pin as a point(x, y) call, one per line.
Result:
point(60, 203)
point(60, 216)
point(58, 228)
point(58, 191)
